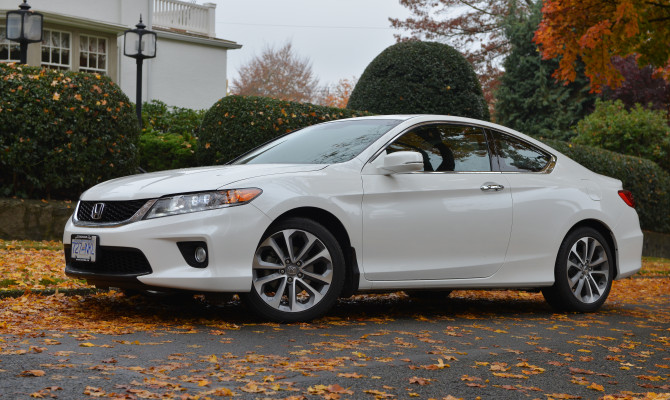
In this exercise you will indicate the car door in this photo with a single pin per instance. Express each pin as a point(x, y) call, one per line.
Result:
point(450, 221)
point(543, 201)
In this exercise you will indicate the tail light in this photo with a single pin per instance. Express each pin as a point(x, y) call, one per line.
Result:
point(627, 197)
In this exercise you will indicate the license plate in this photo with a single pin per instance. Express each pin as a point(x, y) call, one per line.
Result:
point(84, 247)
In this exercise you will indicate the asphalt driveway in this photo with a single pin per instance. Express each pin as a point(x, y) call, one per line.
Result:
point(488, 345)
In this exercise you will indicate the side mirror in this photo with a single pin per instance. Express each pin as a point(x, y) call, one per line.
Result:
point(402, 162)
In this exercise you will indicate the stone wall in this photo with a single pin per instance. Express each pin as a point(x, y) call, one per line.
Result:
point(34, 219)
point(45, 220)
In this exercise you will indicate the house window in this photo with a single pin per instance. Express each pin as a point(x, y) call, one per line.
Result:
point(9, 51)
point(56, 50)
point(92, 54)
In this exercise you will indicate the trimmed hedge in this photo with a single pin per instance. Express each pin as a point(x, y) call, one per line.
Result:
point(62, 132)
point(649, 183)
point(237, 124)
point(420, 78)
point(168, 139)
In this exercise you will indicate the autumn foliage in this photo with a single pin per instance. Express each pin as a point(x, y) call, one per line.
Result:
point(279, 74)
point(80, 342)
point(338, 95)
point(595, 31)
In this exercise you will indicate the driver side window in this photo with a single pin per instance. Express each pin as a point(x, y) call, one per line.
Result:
point(447, 148)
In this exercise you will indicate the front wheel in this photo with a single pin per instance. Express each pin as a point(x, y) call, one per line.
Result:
point(583, 272)
point(298, 271)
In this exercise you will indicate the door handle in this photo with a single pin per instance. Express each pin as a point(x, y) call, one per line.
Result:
point(496, 187)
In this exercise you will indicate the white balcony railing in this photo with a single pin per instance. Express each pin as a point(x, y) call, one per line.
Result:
point(189, 17)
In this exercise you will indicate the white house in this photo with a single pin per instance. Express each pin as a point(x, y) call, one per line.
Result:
point(87, 35)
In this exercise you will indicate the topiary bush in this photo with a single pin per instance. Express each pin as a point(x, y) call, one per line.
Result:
point(649, 183)
point(237, 124)
point(420, 78)
point(639, 132)
point(61, 132)
point(168, 138)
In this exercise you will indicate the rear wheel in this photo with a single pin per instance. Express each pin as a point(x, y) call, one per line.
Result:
point(583, 272)
point(298, 271)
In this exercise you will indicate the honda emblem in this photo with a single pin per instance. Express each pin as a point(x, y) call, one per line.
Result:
point(96, 212)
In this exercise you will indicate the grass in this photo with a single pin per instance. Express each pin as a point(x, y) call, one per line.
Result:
point(30, 245)
point(654, 266)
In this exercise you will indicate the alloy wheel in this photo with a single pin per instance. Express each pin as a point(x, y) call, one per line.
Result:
point(588, 270)
point(292, 270)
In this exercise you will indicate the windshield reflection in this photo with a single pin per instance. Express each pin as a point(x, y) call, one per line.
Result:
point(328, 143)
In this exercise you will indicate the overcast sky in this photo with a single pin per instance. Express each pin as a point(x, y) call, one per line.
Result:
point(340, 37)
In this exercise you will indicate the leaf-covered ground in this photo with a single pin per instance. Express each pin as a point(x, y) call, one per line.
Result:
point(82, 343)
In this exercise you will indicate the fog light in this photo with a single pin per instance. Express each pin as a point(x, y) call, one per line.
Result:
point(194, 253)
point(200, 254)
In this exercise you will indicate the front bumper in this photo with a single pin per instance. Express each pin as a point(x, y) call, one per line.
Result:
point(231, 234)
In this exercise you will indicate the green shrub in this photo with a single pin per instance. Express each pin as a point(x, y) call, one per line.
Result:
point(649, 183)
point(160, 117)
point(160, 151)
point(61, 132)
point(236, 124)
point(420, 78)
point(638, 132)
point(168, 139)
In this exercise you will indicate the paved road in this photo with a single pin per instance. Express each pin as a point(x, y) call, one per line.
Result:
point(489, 345)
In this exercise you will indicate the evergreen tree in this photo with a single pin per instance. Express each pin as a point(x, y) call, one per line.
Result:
point(529, 99)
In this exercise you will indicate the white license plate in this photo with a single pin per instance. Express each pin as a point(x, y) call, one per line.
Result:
point(84, 247)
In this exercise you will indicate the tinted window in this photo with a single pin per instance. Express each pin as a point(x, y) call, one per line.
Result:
point(328, 143)
point(515, 155)
point(444, 148)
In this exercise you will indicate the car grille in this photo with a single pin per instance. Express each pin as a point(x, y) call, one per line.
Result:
point(116, 261)
point(114, 211)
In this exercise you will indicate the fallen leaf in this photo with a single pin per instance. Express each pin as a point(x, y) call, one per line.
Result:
point(32, 372)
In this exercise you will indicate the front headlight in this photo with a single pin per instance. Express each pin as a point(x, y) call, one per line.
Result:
point(194, 202)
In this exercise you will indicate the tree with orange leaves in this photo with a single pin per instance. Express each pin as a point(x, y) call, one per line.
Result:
point(594, 31)
point(338, 95)
point(279, 74)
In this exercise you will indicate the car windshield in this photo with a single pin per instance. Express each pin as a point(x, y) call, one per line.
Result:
point(328, 143)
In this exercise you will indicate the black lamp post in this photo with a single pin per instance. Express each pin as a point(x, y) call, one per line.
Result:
point(139, 44)
point(24, 26)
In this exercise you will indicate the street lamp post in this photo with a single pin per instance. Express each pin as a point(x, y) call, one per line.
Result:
point(139, 43)
point(24, 26)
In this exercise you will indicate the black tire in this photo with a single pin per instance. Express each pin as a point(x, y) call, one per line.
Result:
point(308, 278)
point(583, 272)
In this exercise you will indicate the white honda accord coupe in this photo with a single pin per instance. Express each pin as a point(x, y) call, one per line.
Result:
point(417, 203)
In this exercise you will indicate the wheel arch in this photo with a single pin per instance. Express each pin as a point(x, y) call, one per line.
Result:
point(335, 226)
point(604, 230)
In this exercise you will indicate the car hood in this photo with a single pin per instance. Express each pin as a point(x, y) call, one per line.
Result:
point(157, 184)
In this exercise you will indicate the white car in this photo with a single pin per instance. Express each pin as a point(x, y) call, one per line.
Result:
point(415, 203)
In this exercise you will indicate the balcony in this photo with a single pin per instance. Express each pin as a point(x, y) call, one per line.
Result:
point(189, 17)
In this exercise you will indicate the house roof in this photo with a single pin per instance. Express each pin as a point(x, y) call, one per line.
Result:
point(85, 23)
point(186, 36)
point(118, 29)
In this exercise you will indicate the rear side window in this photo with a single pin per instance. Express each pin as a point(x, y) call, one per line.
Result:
point(447, 148)
point(515, 155)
